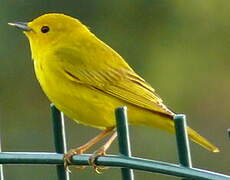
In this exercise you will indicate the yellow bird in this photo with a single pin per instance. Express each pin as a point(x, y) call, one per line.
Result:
point(86, 79)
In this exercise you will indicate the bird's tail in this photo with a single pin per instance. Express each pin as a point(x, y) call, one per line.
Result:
point(194, 136)
point(166, 123)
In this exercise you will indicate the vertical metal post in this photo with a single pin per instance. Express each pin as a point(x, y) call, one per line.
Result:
point(59, 139)
point(1, 167)
point(228, 133)
point(123, 139)
point(182, 140)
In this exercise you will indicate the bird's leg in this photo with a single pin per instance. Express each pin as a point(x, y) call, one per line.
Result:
point(86, 146)
point(101, 152)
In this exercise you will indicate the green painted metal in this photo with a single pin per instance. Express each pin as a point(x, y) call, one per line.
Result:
point(182, 140)
point(123, 161)
point(113, 161)
point(123, 139)
point(229, 133)
point(59, 139)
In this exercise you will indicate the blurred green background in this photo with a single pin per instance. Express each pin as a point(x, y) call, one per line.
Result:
point(180, 47)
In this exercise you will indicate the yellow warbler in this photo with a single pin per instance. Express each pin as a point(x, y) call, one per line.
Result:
point(87, 80)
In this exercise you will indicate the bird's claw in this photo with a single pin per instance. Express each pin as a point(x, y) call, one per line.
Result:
point(68, 157)
point(94, 157)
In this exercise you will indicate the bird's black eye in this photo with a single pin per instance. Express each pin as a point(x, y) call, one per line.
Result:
point(45, 29)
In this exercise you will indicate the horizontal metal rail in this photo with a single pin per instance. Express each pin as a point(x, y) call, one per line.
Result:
point(114, 161)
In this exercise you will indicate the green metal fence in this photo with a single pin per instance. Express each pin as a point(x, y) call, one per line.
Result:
point(125, 161)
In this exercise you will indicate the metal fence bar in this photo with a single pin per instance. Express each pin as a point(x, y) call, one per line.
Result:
point(124, 161)
point(182, 140)
point(228, 133)
point(1, 167)
point(112, 161)
point(123, 139)
point(59, 140)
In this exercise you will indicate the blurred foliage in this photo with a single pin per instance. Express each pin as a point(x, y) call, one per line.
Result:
point(180, 47)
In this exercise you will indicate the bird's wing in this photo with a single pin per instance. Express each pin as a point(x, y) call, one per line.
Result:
point(119, 81)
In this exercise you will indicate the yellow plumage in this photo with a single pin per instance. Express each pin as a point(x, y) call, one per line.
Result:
point(87, 80)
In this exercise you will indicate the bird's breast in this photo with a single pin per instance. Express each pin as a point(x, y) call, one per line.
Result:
point(77, 101)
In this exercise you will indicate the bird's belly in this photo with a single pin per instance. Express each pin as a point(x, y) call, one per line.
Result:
point(86, 106)
point(81, 103)
point(90, 106)
point(97, 109)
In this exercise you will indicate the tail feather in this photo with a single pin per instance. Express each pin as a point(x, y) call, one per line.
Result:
point(166, 123)
point(194, 136)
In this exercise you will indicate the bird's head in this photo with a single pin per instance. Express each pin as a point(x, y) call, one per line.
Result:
point(51, 30)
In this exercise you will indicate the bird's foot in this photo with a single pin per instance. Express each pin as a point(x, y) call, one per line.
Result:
point(93, 158)
point(68, 157)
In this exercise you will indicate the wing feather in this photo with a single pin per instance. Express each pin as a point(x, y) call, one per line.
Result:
point(115, 78)
point(125, 87)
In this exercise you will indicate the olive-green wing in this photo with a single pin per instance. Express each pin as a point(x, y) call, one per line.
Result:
point(125, 85)
point(110, 74)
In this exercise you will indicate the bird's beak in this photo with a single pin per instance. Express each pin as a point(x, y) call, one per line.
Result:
point(21, 25)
